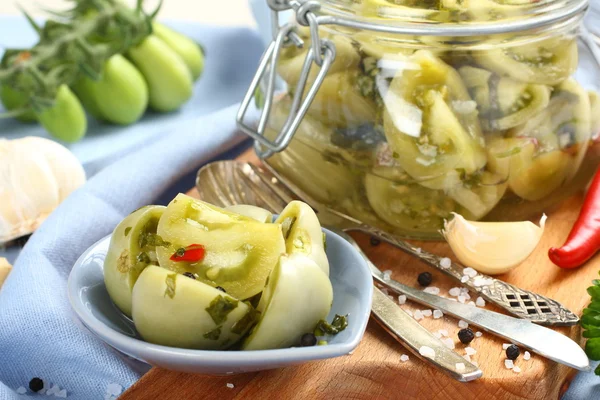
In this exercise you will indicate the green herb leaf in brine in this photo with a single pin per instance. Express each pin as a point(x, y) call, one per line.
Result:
point(143, 258)
point(324, 241)
point(127, 230)
point(214, 334)
point(339, 323)
point(171, 281)
point(246, 321)
point(220, 307)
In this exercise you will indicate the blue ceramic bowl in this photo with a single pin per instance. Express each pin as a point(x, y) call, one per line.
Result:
point(352, 291)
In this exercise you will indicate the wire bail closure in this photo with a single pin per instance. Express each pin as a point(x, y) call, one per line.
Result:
point(322, 53)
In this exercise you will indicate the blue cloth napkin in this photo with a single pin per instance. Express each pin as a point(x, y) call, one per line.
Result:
point(39, 334)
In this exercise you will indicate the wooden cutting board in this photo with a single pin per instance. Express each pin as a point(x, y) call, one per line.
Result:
point(375, 371)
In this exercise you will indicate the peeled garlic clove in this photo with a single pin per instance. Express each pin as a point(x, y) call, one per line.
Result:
point(492, 247)
point(37, 174)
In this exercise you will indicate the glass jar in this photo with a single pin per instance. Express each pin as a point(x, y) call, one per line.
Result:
point(414, 110)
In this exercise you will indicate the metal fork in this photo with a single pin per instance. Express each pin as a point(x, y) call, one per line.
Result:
point(219, 184)
point(519, 302)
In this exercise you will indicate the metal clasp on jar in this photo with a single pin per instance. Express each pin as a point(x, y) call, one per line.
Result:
point(321, 54)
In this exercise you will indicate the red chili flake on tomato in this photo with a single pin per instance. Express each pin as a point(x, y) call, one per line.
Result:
point(191, 253)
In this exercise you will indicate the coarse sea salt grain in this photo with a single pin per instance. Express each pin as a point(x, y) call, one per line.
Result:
point(61, 393)
point(509, 364)
point(437, 335)
point(464, 279)
point(114, 389)
point(454, 292)
point(449, 343)
point(418, 315)
point(427, 351)
point(516, 369)
point(460, 367)
point(385, 291)
point(387, 274)
point(506, 346)
point(471, 303)
point(526, 356)
point(470, 351)
point(444, 332)
point(21, 390)
point(462, 324)
point(402, 299)
point(427, 313)
point(409, 312)
point(467, 357)
point(418, 250)
point(478, 334)
point(432, 290)
point(461, 299)
point(437, 314)
point(470, 272)
point(404, 358)
point(230, 385)
point(480, 302)
point(445, 262)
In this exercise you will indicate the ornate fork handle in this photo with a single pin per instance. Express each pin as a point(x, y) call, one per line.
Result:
point(519, 302)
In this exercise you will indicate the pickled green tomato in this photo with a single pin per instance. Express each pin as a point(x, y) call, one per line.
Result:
point(404, 204)
point(431, 123)
point(129, 253)
point(298, 295)
point(66, 119)
point(594, 113)
point(239, 251)
point(171, 310)
point(302, 232)
point(478, 198)
point(169, 81)
point(121, 94)
point(186, 48)
point(503, 103)
point(254, 212)
point(311, 161)
point(14, 100)
point(547, 62)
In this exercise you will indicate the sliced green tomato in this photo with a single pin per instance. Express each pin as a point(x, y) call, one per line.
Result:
point(129, 253)
point(379, 46)
point(530, 175)
point(429, 105)
point(481, 197)
point(298, 295)
point(503, 103)
point(292, 61)
point(310, 160)
point(171, 310)
point(254, 212)
point(303, 234)
point(402, 203)
point(186, 48)
point(339, 102)
point(547, 62)
point(594, 113)
point(239, 251)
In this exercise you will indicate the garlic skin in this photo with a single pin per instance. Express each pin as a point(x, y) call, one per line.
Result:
point(36, 175)
point(492, 247)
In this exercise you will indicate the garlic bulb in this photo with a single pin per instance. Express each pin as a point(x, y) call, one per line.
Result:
point(36, 175)
point(492, 247)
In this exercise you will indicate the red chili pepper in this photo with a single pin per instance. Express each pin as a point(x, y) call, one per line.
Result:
point(584, 240)
point(191, 253)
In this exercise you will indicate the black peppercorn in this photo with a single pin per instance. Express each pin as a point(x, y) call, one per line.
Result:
point(36, 384)
point(375, 241)
point(189, 275)
point(425, 279)
point(221, 289)
point(466, 335)
point(512, 352)
point(308, 339)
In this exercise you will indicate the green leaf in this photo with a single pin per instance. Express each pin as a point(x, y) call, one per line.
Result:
point(214, 334)
point(592, 348)
point(594, 305)
point(591, 319)
point(171, 281)
point(597, 370)
point(220, 307)
point(338, 324)
point(594, 292)
point(31, 21)
point(591, 332)
point(246, 322)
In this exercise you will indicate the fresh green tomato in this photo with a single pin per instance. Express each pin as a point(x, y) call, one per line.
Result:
point(188, 50)
point(132, 248)
point(239, 252)
point(66, 119)
point(13, 100)
point(297, 296)
point(169, 81)
point(171, 309)
point(254, 212)
point(121, 94)
point(303, 234)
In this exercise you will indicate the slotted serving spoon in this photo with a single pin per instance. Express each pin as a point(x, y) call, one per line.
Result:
point(234, 183)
